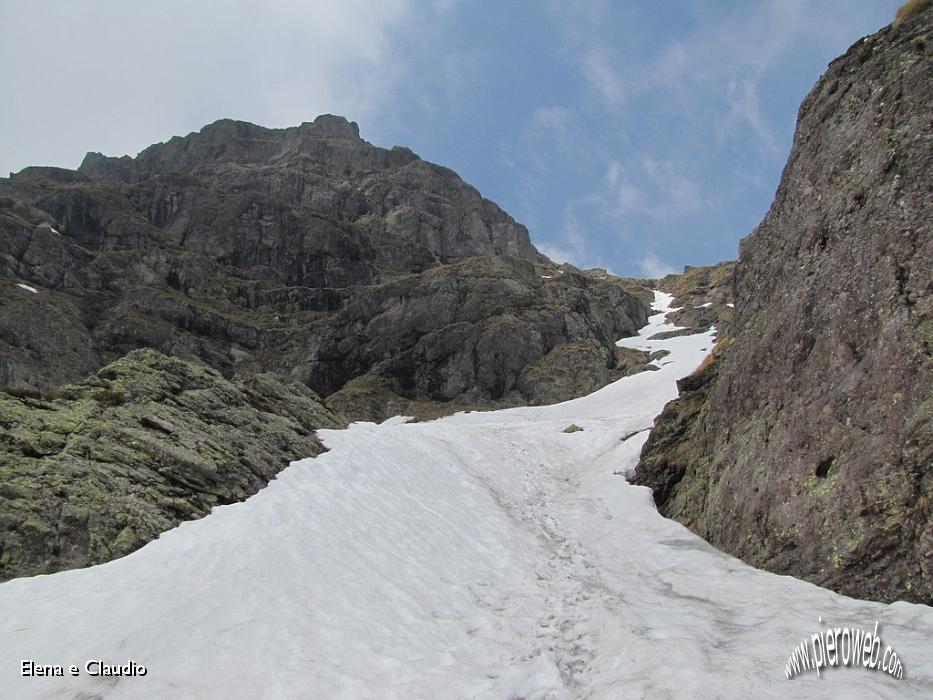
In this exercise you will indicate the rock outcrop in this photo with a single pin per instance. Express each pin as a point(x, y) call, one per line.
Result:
point(804, 446)
point(94, 470)
point(703, 297)
point(215, 285)
point(304, 251)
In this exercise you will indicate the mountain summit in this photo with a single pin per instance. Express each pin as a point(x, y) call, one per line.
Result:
point(306, 251)
point(366, 279)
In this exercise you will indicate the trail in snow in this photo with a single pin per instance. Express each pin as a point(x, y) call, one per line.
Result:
point(485, 555)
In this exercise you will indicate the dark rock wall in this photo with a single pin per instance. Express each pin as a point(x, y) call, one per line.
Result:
point(807, 450)
point(188, 274)
point(303, 251)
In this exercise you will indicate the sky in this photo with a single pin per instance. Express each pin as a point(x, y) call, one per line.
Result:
point(638, 136)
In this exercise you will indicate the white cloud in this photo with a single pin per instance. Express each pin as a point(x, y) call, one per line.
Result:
point(602, 76)
point(550, 142)
point(552, 123)
point(652, 267)
point(656, 188)
point(598, 213)
point(710, 72)
point(116, 76)
point(556, 253)
point(574, 245)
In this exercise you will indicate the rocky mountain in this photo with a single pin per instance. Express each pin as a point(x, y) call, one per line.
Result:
point(703, 295)
point(304, 251)
point(170, 322)
point(803, 445)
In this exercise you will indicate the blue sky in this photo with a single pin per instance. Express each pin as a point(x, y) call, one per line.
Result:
point(637, 136)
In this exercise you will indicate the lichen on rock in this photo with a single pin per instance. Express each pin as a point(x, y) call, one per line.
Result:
point(94, 470)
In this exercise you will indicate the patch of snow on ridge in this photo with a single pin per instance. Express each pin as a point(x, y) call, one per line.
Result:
point(483, 555)
point(656, 324)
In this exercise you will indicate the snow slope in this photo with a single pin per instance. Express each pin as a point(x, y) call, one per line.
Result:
point(485, 555)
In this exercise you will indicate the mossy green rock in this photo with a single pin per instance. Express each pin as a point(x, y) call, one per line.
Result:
point(87, 474)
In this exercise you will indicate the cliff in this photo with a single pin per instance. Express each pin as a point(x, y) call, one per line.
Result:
point(304, 251)
point(804, 445)
point(170, 322)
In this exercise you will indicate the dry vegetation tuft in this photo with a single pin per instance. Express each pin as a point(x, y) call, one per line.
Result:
point(713, 356)
point(910, 7)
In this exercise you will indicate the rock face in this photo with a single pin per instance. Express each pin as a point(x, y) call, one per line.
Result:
point(304, 251)
point(94, 470)
point(229, 278)
point(704, 296)
point(804, 446)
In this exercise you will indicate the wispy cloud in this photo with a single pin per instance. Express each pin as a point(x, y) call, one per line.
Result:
point(557, 253)
point(572, 244)
point(602, 76)
point(549, 142)
point(686, 95)
point(97, 85)
point(608, 128)
point(659, 189)
point(652, 267)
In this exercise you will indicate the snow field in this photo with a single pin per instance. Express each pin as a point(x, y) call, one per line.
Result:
point(484, 555)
